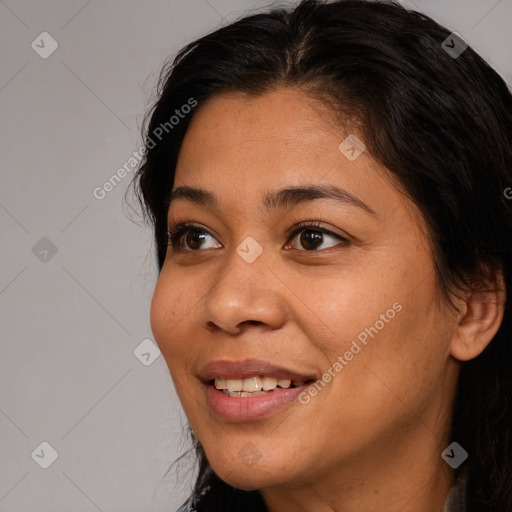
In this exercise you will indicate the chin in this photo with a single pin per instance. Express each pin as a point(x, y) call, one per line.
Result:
point(248, 482)
point(245, 478)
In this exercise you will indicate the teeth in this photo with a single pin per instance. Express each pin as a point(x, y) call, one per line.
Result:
point(284, 383)
point(234, 384)
point(253, 385)
point(244, 394)
point(269, 383)
point(221, 384)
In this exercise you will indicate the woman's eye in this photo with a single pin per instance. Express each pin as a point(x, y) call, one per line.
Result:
point(312, 237)
point(189, 234)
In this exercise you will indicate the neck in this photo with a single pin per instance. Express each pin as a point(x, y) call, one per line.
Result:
point(407, 474)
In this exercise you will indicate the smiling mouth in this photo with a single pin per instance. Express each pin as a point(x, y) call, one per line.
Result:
point(255, 386)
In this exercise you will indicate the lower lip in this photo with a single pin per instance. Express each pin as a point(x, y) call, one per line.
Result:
point(251, 407)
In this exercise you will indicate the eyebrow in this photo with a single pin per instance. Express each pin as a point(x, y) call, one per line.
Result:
point(280, 199)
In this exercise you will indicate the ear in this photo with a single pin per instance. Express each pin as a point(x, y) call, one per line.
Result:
point(479, 320)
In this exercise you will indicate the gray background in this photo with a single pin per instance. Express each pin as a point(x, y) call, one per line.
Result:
point(71, 320)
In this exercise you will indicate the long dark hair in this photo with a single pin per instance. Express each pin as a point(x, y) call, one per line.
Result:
point(441, 123)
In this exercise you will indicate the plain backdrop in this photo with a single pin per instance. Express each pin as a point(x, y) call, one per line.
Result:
point(82, 387)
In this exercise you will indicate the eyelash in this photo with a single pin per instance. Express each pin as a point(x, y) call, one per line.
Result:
point(175, 235)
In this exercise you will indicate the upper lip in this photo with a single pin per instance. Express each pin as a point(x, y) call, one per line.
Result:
point(224, 369)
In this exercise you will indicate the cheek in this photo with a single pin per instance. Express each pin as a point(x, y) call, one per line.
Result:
point(402, 365)
point(400, 337)
point(159, 306)
point(167, 314)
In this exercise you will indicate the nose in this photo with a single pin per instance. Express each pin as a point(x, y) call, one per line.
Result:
point(246, 294)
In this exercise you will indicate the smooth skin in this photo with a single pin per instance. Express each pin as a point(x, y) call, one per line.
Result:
point(371, 440)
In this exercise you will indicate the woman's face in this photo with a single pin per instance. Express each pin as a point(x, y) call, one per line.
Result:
point(352, 307)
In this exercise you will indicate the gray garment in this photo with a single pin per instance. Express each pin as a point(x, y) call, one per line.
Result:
point(456, 500)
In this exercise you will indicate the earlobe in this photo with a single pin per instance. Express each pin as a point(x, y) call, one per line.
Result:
point(478, 322)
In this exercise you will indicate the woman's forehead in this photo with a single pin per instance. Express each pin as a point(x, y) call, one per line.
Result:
point(279, 118)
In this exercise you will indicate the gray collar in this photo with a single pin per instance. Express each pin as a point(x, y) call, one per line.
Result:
point(456, 500)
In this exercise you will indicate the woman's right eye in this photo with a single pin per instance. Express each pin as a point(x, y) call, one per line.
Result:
point(191, 233)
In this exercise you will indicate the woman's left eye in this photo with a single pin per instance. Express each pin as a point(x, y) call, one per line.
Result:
point(312, 237)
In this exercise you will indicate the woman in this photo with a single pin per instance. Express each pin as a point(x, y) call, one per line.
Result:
point(326, 186)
